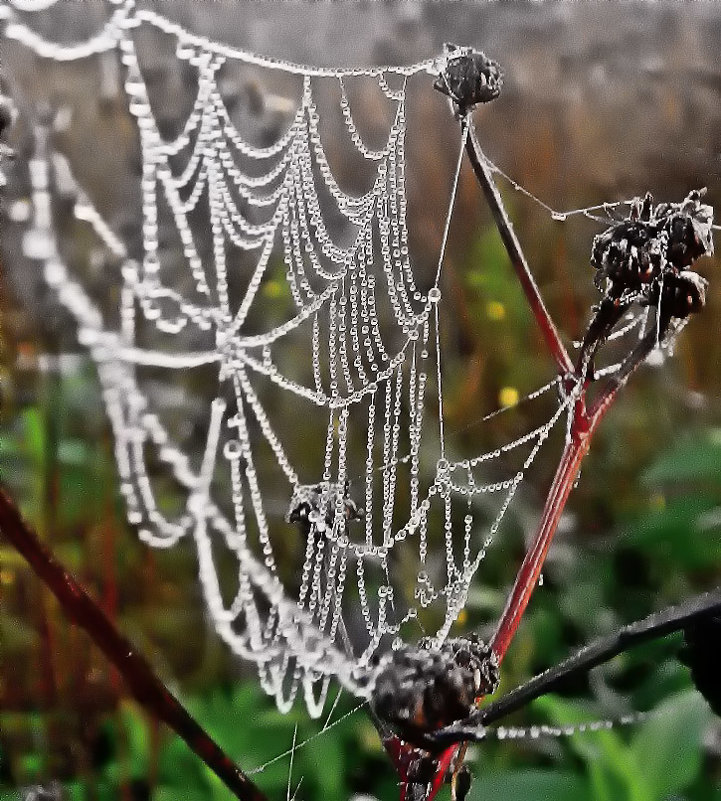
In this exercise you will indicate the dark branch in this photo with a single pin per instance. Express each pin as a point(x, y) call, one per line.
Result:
point(144, 684)
point(659, 624)
point(513, 247)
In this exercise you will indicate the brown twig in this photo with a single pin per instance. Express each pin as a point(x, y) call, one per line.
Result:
point(515, 252)
point(144, 684)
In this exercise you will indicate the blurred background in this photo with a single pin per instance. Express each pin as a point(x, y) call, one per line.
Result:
point(600, 103)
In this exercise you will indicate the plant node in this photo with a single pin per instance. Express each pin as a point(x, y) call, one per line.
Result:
point(468, 77)
point(646, 259)
point(419, 690)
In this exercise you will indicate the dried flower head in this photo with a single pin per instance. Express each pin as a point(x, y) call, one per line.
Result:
point(419, 689)
point(468, 77)
point(646, 257)
point(314, 505)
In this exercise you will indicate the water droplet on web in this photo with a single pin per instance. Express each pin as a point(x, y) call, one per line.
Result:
point(434, 294)
point(540, 580)
point(560, 216)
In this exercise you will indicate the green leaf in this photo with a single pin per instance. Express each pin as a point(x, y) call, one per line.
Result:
point(691, 460)
point(530, 785)
point(138, 738)
point(170, 793)
point(74, 452)
point(34, 434)
point(668, 745)
point(674, 533)
point(75, 791)
point(613, 772)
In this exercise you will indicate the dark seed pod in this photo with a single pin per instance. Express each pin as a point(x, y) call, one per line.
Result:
point(419, 689)
point(647, 256)
point(701, 654)
point(315, 505)
point(681, 294)
point(468, 77)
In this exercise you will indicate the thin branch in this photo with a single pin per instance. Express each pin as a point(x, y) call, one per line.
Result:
point(583, 427)
point(513, 247)
point(530, 570)
point(659, 624)
point(144, 684)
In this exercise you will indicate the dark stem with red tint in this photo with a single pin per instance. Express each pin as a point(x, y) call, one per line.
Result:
point(582, 428)
point(144, 684)
point(513, 247)
point(682, 617)
point(583, 423)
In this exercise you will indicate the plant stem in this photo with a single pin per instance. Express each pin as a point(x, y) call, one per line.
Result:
point(583, 424)
point(144, 684)
point(530, 570)
point(513, 247)
point(659, 624)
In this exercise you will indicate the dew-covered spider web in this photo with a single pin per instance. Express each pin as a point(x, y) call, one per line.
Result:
point(292, 304)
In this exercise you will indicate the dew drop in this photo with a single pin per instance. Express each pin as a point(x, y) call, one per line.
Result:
point(560, 216)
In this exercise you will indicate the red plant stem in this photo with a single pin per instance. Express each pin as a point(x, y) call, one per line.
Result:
point(445, 760)
point(583, 427)
point(530, 570)
point(518, 260)
point(144, 684)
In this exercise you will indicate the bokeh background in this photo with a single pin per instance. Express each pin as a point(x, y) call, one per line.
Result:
point(600, 103)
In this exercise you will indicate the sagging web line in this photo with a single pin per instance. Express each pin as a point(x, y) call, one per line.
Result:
point(501, 733)
point(370, 370)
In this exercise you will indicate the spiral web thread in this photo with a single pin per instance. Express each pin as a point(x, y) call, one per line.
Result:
point(372, 337)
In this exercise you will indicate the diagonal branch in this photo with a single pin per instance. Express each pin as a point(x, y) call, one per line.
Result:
point(144, 684)
point(513, 247)
point(583, 427)
point(659, 624)
point(530, 570)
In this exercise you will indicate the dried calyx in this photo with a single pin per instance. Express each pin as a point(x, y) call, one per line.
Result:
point(468, 77)
point(647, 256)
point(647, 259)
point(420, 689)
point(315, 505)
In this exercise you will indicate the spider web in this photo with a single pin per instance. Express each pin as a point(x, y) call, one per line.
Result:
point(370, 379)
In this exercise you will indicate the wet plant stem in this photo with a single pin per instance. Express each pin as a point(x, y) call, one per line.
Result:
point(513, 248)
point(147, 688)
point(583, 423)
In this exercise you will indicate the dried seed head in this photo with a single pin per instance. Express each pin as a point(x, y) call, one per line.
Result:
point(419, 690)
point(468, 77)
point(315, 505)
point(647, 256)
